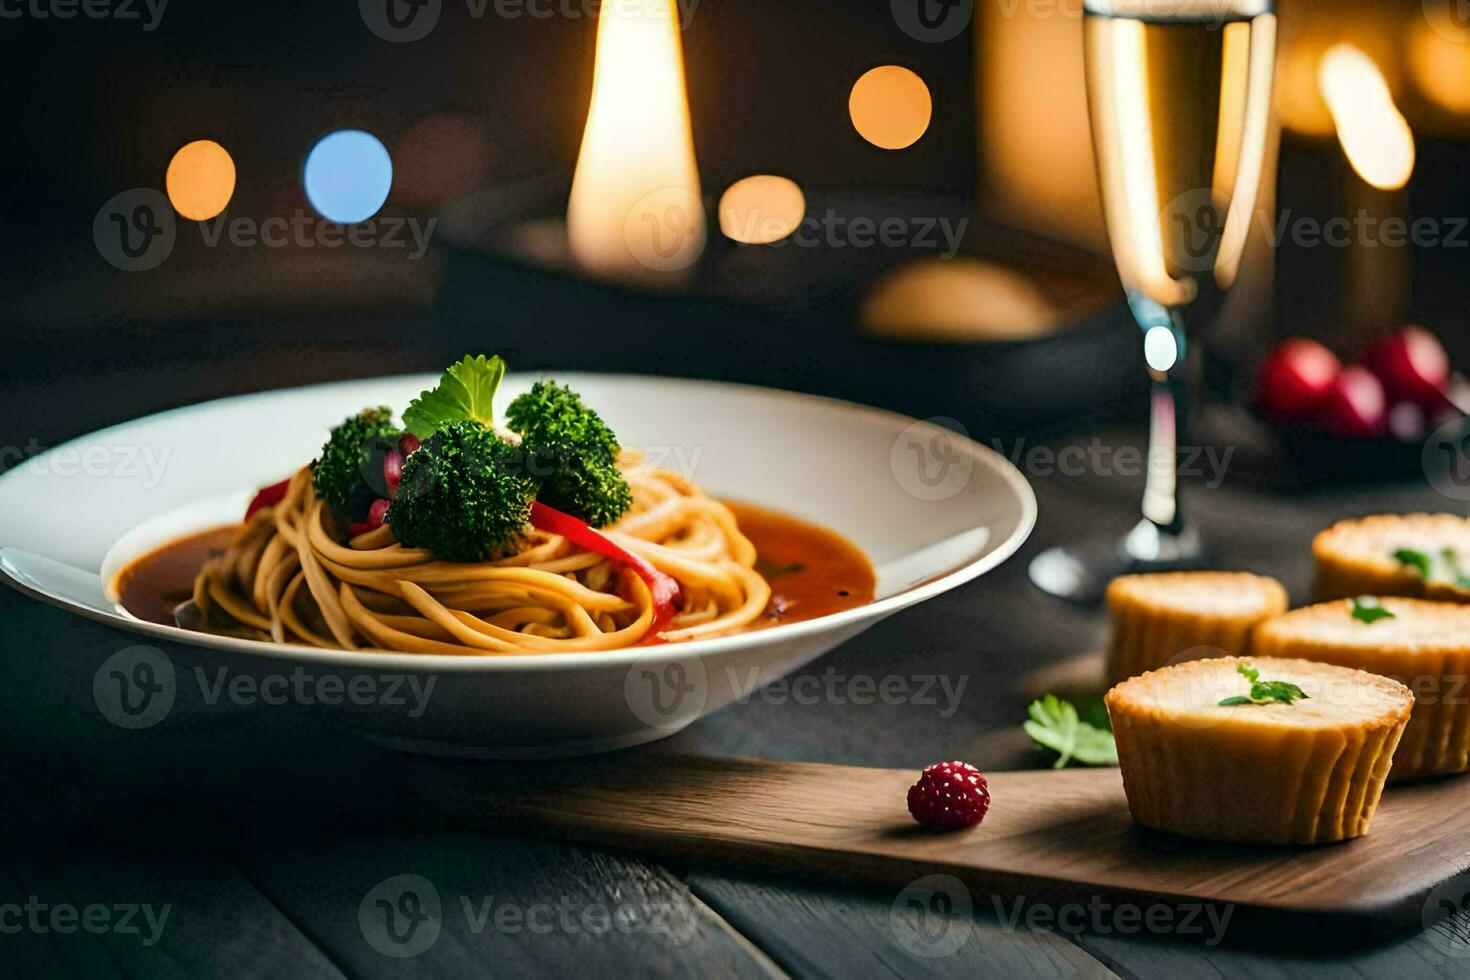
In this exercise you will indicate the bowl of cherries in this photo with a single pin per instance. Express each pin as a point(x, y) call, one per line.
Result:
point(1367, 418)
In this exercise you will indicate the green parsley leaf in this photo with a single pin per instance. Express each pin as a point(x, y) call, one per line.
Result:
point(1055, 724)
point(1367, 609)
point(1284, 692)
point(466, 393)
point(1419, 560)
point(1263, 692)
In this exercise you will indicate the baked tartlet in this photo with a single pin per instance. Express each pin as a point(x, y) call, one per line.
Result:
point(1423, 644)
point(1309, 771)
point(1389, 554)
point(1165, 617)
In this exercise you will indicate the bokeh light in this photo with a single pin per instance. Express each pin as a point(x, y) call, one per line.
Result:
point(200, 180)
point(761, 209)
point(890, 107)
point(348, 175)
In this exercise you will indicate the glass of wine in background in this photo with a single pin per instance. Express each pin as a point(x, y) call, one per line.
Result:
point(1179, 95)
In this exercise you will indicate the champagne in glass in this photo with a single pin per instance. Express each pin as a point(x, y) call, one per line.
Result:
point(1179, 99)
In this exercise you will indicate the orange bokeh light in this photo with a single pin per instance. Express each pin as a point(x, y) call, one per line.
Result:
point(200, 180)
point(890, 107)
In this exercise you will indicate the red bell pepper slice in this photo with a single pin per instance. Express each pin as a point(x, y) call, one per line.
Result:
point(268, 497)
point(664, 589)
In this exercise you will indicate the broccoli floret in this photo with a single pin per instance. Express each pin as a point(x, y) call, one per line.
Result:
point(572, 452)
point(465, 496)
point(349, 475)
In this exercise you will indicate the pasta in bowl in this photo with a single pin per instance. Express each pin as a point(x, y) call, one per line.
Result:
point(842, 537)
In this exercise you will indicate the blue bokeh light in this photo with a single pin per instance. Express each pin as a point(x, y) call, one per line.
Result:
point(348, 175)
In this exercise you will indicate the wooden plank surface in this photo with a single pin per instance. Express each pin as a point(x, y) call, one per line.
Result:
point(480, 905)
point(1049, 834)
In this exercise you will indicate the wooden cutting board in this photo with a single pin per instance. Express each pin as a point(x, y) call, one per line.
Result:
point(1051, 837)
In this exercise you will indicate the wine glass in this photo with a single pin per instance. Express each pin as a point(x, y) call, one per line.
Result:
point(1179, 100)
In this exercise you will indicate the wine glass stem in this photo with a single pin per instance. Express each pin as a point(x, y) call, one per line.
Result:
point(1164, 353)
point(1161, 486)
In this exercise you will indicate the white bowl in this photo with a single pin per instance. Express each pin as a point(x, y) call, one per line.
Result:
point(931, 509)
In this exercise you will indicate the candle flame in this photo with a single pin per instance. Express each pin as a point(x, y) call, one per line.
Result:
point(635, 209)
point(1374, 134)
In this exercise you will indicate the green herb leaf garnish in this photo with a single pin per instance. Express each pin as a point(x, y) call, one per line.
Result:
point(1264, 692)
point(465, 393)
point(1416, 559)
point(1367, 609)
point(1057, 725)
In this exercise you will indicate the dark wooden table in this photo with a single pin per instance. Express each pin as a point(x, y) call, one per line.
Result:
point(262, 834)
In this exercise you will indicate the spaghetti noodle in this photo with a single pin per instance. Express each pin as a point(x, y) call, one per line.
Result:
point(288, 576)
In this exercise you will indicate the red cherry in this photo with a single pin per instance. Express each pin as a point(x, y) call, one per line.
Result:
point(1356, 407)
point(1412, 364)
point(1295, 379)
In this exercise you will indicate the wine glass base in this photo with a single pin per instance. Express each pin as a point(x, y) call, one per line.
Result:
point(1081, 572)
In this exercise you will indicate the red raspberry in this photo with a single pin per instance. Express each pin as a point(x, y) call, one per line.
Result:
point(949, 795)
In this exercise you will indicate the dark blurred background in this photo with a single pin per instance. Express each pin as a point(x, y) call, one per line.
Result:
point(1022, 333)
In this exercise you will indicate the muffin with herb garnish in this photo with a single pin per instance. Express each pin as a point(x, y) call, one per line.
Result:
point(1414, 555)
point(1426, 645)
point(1157, 619)
point(1257, 750)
